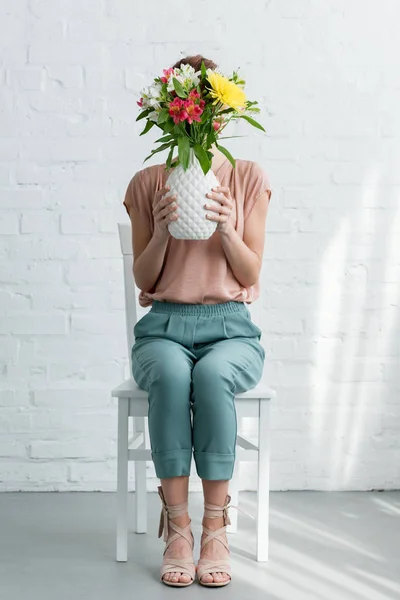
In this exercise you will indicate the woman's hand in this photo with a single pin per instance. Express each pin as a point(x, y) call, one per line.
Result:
point(220, 213)
point(164, 208)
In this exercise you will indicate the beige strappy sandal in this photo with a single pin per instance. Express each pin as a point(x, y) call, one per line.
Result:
point(206, 566)
point(185, 566)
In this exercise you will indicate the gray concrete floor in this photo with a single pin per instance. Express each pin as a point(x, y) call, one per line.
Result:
point(324, 546)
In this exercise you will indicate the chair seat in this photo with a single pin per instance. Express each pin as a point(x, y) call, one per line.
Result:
point(130, 389)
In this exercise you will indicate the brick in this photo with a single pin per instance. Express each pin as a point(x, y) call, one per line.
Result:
point(26, 79)
point(92, 272)
point(39, 222)
point(65, 53)
point(28, 324)
point(100, 324)
point(71, 449)
point(15, 420)
point(8, 223)
point(70, 398)
point(27, 271)
point(9, 398)
point(80, 223)
point(32, 475)
point(12, 449)
point(22, 198)
point(10, 301)
point(65, 76)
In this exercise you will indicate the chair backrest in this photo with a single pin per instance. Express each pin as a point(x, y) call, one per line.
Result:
point(132, 308)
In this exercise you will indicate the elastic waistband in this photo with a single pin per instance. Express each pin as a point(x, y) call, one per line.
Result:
point(224, 308)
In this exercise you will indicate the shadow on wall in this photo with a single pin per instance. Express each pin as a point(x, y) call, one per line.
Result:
point(356, 358)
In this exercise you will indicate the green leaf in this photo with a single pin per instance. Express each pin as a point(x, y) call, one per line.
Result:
point(227, 154)
point(227, 110)
point(184, 151)
point(162, 116)
point(202, 158)
point(148, 126)
point(144, 114)
point(229, 137)
point(211, 138)
point(165, 138)
point(168, 127)
point(169, 158)
point(179, 88)
point(252, 122)
point(203, 70)
point(160, 149)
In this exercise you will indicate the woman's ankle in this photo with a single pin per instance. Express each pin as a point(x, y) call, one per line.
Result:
point(181, 521)
point(213, 524)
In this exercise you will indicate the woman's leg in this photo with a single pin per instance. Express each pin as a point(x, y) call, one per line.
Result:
point(176, 491)
point(215, 492)
point(224, 368)
point(163, 368)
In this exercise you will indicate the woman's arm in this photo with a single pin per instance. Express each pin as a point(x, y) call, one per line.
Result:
point(148, 254)
point(149, 249)
point(245, 256)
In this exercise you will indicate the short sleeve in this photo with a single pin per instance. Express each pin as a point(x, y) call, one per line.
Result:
point(257, 183)
point(137, 197)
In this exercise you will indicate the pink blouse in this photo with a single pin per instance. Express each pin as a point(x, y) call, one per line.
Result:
point(197, 271)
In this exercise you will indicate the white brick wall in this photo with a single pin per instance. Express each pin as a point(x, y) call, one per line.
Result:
point(327, 75)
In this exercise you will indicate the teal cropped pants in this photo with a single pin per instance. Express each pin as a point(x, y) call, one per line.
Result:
point(192, 359)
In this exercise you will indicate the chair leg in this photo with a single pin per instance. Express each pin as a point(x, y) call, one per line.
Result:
point(122, 481)
point(234, 494)
point(140, 524)
point(264, 435)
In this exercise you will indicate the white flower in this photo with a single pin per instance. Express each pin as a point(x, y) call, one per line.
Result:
point(153, 116)
point(186, 76)
point(151, 95)
point(170, 86)
point(155, 91)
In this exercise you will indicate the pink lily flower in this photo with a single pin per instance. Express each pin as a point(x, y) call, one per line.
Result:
point(193, 111)
point(177, 110)
point(167, 74)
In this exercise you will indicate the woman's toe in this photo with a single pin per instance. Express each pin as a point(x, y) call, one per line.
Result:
point(207, 578)
point(184, 578)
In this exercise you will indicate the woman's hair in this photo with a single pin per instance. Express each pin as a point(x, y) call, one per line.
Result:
point(195, 62)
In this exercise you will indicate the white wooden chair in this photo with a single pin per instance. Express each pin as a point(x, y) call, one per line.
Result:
point(133, 402)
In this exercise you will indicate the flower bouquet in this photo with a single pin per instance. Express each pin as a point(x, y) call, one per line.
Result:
point(192, 108)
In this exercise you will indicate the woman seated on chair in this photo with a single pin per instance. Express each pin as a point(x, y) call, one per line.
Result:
point(197, 346)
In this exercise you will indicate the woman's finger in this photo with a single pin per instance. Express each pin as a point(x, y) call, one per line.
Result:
point(162, 192)
point(225, 210)
point(217, 218)
point(223, 190)
point(219, 197)
point(162, 203)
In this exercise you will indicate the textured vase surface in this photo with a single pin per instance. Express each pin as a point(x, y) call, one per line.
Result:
point(190, 188)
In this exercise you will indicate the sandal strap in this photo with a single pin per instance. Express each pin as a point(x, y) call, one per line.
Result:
point(179, 565)
point(170, 512)
point(215, 534)
point(206, 566)
point(213, 511)
point(185, 532)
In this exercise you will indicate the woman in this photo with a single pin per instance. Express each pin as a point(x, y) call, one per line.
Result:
point(197, 347)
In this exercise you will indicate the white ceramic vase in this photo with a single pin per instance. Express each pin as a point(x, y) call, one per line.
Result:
point(190, 188)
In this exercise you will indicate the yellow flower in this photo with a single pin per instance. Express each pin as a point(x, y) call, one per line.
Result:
point(226, 91)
